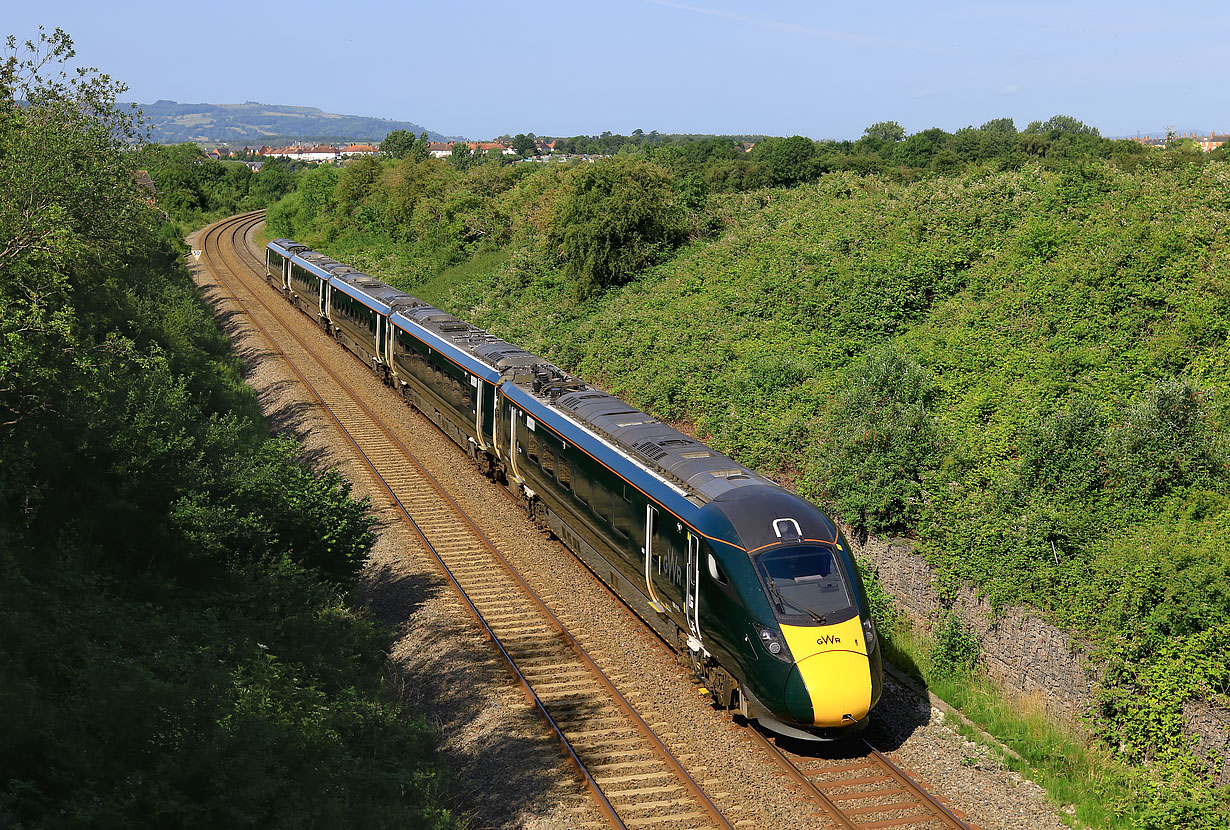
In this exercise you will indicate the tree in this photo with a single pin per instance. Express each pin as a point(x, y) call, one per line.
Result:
point(398, 144)
point(69, 201)
point(614, 218)
point(885, 131)
point(462, 156)
point(1005, 126)
point(356, 181)
point(273, 182)
point(919, 149)
point(421, 151)
point(790, 160)
point(524, 145)
point(1060, 124)
point(65, 191)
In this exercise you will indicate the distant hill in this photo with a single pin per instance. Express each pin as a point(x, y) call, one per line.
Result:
point(252, 123)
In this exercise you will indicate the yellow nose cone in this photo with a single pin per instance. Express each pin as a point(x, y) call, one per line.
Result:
point(831, 661)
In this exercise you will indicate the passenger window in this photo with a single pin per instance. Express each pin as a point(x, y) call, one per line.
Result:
point(531, 446)
point(548, 460)
point(602, 502)
point(627, 518)
point(564, 473)
point(581, 487)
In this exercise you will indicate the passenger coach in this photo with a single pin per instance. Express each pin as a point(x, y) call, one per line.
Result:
point(755, 586)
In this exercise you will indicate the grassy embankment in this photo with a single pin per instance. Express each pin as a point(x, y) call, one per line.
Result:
point(176, 644)
point(1027, 371)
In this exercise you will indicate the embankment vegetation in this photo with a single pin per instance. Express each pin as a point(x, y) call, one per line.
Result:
point(194, 190)
point(1009, 346)
point(176, 648)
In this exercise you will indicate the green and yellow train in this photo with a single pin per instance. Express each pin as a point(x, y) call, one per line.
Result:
point(753, 585)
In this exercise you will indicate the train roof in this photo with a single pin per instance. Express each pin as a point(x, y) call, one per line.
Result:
point(685, 463)
point(287, 246)
point(775, 516)
point(690, 462)
point(383, 297)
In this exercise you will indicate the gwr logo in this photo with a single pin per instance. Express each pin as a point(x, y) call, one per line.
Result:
point(828, 640)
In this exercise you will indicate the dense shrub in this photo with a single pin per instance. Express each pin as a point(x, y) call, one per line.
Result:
point(1165, 443)
point(612, 220)
point(881, 435)
point(175, 644)
point(194, 189)
point(985, 360)
point(954, 649)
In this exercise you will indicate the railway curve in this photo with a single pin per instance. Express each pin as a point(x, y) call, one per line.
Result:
point(632, 775)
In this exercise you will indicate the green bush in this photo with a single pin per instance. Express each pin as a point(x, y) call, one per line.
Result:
point(983, 360)
point(1164, 444)
point(175, 646)
point(955, 649)
point(613, 219)
point(880, 436)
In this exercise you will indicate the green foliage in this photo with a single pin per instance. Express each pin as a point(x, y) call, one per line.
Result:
point(194, 189)
point(398, 144)
point(884, 609)
point(954, 648)
point(1022, 363)
point(885, 131)
point(1140, 706)
point(612, 220)
point(789, 160)
point(881, 434)
point(1060, 124)
point(1164, 444)
point(175, 648)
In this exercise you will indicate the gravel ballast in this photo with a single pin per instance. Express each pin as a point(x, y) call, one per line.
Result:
point(507, 771)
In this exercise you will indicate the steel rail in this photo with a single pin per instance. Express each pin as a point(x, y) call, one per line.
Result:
point(604, 804)
point(923, 798)
point(900, 775)
point(245, 222)
point(937, 812)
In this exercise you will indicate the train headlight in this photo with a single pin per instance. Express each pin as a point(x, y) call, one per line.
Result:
point(869, 634)
point(772, 641)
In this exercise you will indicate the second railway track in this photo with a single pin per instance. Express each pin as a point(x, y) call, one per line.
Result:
point(634, 778)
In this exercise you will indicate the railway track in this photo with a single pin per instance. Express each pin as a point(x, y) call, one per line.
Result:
point(634, 779)
point(864, 791)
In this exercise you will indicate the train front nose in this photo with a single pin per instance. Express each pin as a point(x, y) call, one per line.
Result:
point(831, 688)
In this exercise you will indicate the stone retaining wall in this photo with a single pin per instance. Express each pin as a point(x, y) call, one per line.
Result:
point(1027, 657)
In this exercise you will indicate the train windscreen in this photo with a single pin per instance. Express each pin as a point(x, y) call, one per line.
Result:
point(806, 581)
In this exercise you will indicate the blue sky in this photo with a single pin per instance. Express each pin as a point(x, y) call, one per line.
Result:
point(820, 69)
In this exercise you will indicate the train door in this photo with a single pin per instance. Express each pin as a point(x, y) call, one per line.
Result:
point(691, 600)
point(479, 414)
point(651, 553)
point(390, 333)
point(497, 423)
point(378, 333)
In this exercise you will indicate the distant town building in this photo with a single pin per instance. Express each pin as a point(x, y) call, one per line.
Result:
point(1213, 141)
point(1207, 143)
